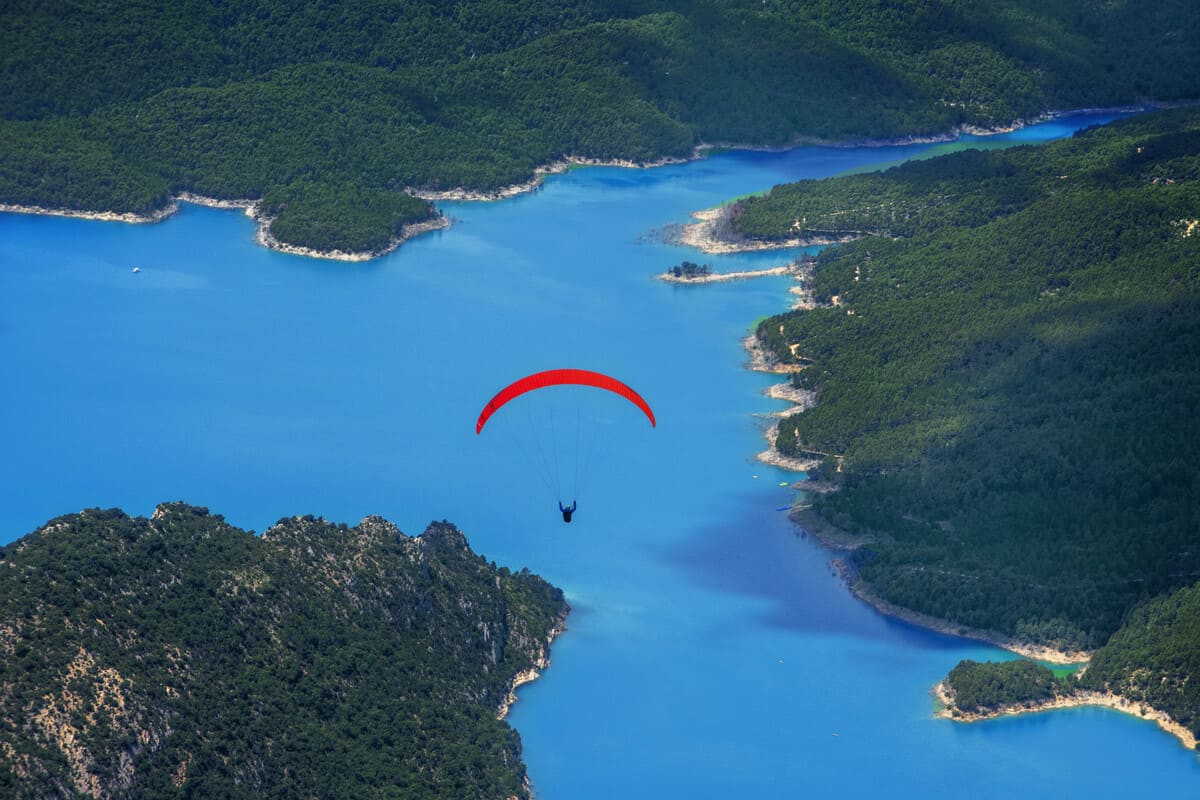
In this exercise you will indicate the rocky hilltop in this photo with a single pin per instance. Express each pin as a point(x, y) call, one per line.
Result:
point(179, 655)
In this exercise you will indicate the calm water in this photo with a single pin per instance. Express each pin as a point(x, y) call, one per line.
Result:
point(711, 652)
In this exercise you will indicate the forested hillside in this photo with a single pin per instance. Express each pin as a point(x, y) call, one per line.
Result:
point(330, 111)
point(1009, 386)
point(1155, 657)
point(179, 656)
point(1152, 661)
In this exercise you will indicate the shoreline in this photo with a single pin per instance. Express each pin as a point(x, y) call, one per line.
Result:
point(540, 663)
point(263, 236)
point(774, 458)
point(252, 210)
point(128, 217)
point(700, 151)
point(558, 167)
point(836, 539)
point(946, 136)
point(703, 149)
point(1077, 698)
point(800, 270)
point(704, 235)
point(720, 277)
point(762, 361)
point(801, 399)
point(1022, 648)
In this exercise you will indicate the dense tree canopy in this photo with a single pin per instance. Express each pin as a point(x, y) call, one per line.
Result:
point(1155, 657)
point(1010, 383)
point(181, 657)
point(990, 686)
point(340, 106)
point(1152, 659)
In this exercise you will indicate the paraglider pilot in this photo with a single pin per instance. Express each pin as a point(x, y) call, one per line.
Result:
point(567, 512)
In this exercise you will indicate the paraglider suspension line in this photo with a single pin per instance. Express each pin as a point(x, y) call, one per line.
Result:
point(554, 452)
point(542, 461)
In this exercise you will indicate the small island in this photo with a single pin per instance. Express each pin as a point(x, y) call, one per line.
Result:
point(149, 657)
point(689, 271)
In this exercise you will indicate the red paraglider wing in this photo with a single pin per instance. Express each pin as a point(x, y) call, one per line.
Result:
point(558, 377)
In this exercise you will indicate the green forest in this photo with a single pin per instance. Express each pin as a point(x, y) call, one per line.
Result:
point(179, 656)
point(332, 112)
point(1154, 657)
point(1151, 659)
point(1008, 380)
point(991, 685)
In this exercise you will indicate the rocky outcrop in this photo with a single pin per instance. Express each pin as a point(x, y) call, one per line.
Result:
point(147, 655)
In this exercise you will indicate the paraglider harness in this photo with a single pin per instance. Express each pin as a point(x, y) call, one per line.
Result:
point(567, 512)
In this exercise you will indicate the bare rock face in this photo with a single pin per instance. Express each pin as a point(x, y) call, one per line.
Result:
point(144, 656)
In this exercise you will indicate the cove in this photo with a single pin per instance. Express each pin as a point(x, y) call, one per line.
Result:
point(711, 652)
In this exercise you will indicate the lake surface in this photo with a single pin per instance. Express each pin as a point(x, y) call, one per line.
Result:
point(711, 652)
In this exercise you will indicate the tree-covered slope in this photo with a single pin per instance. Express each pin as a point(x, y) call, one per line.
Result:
point(330, 110)
point(1010, 386)
point(179, 656)
point(1155, 657)
point(990, 686)
point(1153, 660)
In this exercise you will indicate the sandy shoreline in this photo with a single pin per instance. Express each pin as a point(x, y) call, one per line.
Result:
point(1079, 697)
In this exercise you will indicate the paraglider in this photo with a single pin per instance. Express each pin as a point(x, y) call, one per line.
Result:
point(562, 377)
point(559, 377)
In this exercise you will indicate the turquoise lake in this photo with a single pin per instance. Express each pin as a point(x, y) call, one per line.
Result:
point(711, 652)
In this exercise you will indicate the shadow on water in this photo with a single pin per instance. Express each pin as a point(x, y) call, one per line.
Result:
point(765, 556)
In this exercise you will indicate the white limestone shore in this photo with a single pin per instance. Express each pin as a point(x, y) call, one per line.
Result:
point(1077, 698)
point(533, 673)
point(252, 209)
